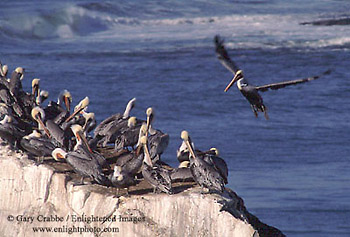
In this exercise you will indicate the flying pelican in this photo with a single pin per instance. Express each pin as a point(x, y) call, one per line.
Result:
point(158, 141)
point(250, 92)
point(155, 175)
point(121, 179)
point(203, 173)
point(83, 165)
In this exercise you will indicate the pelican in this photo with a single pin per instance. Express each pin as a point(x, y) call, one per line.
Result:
point(251, 92)
point(9, 131)
point(35, 87)
point(83, 165)
point(132, 162)
point(82, 146)
point(155, 175)
point(37, 145)
point(15, 85)
point(38, 115)
point(121, 179)
point(129, 137)
point(182, 173)
point(158, 141)
point(203, 173)
point(114, 122)
point(89, 122)
point(56, 109)
point(213, 159)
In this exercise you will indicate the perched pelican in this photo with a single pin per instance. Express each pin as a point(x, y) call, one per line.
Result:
point(155, 175)
point(83, 165)
point(9, 131)
point(157, 140)
point(83, 147)
point(213, 159)
point(15, 85)
point(113, 123)
point(128, 137)
point(203, 173)
point(121, 179)
point(89, 123)
point(56, 109)
point(250, 92)
point(182, 173)
point(35, 87)
point(132, 162)
point(59, 136)
point(37, 145)
point(38, 115)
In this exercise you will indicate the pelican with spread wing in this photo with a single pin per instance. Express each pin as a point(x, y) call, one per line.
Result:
point(251, 92)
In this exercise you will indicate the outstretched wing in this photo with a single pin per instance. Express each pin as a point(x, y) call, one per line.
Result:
point(276, 86)
point(223, 55)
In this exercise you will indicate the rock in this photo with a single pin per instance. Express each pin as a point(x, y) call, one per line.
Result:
point(39, 199)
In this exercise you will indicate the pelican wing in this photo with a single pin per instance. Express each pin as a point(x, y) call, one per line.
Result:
point(276, 86)
point(223, 55)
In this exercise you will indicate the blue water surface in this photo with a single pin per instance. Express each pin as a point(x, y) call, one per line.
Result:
point(293, 170)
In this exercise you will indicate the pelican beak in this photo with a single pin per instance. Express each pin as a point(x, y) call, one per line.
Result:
point(73, 114)
point(185, 137)
point(67, 103)
point(237, 76)
point(43, 125)
point(85, 142)
point(147, 155)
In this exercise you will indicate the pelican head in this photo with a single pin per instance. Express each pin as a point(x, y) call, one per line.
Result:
point(238, 75)
point(150, 117)
point(131, 122)
point(42, 97)
point(66, 98)
point(35, 87)
point(129, 107)
point(37, 111)
point(20, 70)
point(4, 70)
point(186, 138)
point(215, 150)
point(142, 133)
point(58, 154)
point(184, 164)
point(79, 135)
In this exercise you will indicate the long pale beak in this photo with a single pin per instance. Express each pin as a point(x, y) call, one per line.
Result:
point(190, 149)
point(67, 103)
point(235, 78)
point(73, 114)
point(148, 124)
point(85, 142)
point(43, 125)
point(147, 155)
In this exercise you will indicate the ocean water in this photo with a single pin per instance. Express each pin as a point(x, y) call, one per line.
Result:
point(292, 170)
